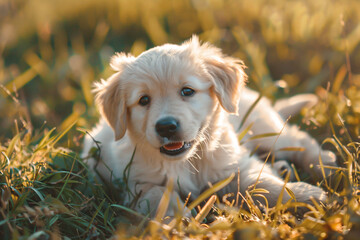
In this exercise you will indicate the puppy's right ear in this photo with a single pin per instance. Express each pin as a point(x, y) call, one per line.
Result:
point(226, 73)
point(110, 96)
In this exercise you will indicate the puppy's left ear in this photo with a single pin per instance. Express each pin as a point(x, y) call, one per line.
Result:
point(111, 102)
point(228, 78)
point(110, 95)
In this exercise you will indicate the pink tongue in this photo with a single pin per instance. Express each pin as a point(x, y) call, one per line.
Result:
point(174, 146)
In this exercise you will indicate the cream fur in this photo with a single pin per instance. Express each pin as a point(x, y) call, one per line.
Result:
point(205, 118)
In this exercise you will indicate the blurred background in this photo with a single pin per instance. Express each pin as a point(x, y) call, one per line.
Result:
point(51, 52)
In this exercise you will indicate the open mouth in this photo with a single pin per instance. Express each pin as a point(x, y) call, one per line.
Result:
point(175, 148)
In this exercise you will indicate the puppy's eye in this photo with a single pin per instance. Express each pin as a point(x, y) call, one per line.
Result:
point(144, 100)
point(187, 92)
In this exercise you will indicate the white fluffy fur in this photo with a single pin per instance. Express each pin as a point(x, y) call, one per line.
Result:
point(205, 118)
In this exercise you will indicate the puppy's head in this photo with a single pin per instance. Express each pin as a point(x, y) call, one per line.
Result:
point(166, 98)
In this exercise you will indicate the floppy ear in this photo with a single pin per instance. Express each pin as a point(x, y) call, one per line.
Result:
point(111, 103)
point(227, 74)
point(110, 96)
point(228, 77)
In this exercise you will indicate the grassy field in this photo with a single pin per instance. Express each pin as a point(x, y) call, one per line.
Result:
point(52, 51)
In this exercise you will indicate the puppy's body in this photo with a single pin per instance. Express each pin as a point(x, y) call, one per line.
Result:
point(173, 104)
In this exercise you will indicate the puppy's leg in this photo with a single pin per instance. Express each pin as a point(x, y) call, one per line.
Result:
point(303, 192)
point(283, 168)
point(266, 120)
point(257, 175)
point(309, 159)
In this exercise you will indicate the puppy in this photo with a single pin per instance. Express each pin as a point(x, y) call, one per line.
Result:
point(174, 112)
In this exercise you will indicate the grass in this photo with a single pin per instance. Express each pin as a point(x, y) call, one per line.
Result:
point(51, 52)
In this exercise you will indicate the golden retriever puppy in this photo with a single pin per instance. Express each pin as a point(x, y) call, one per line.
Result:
point(174, 112)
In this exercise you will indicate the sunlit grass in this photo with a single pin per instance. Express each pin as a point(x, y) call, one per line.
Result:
point(52, 51)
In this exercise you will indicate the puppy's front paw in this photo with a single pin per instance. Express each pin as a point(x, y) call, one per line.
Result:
point(283, 168)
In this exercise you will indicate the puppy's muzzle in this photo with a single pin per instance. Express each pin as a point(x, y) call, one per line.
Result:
point(167, 127)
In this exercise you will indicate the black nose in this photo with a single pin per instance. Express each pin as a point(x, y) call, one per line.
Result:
point(167, 127)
